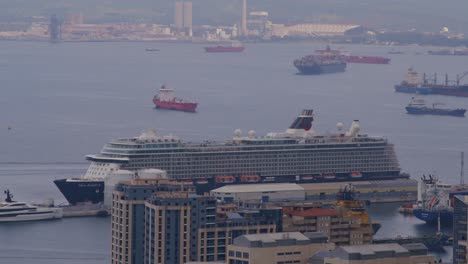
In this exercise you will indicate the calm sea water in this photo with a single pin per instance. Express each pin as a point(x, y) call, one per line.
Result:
point(67, 100)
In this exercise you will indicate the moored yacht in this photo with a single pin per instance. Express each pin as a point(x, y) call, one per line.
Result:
point(12, 211)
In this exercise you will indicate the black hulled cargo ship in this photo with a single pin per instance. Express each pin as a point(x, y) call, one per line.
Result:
point(298, 155)
point(324, 61)
point(417, 106)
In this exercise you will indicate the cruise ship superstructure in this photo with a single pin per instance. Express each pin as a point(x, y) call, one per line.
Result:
point(298, 155)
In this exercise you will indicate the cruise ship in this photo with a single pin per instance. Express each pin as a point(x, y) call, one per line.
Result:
point(299, 154)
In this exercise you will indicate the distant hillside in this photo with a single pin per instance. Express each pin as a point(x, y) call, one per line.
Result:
point(420, 14)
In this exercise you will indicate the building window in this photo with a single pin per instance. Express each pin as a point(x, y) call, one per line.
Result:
point(245, 255)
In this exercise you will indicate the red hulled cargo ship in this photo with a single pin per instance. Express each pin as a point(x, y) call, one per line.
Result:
point(367, 59)
point(165, 99)
point(235, 47)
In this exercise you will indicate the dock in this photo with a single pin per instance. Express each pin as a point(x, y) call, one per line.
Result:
point(85, 210)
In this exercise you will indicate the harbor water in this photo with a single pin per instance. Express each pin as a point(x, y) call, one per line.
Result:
point(60, 102)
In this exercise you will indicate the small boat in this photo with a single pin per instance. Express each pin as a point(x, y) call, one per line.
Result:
point(417, 106)
point(329, 176)
point(396, 52)
point(13, 211)
point(250, 178)
point(225, 179)
point(356, 174)
point(151, 49)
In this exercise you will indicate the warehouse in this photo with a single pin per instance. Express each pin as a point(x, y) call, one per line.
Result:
point(270, 192)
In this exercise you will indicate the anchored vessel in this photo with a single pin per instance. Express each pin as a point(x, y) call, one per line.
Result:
point(235, 47)
point(297, 155)
point(12, 211)
point(417, 106)
point(367, 59)
point(414, 84)
point(324, 61)
point(165, 99)
point(437, 201)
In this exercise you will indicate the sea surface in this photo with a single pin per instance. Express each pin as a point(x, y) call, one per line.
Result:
point(59, 102)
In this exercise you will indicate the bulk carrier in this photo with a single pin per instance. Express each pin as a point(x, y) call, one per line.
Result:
point(414, 84)
point(298, 155)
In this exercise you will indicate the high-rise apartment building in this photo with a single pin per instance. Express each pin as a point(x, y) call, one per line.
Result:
point(151, 224)
point(128, 206)
point(460, 229)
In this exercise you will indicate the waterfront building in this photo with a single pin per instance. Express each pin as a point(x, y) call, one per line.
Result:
point(398, 190)
point(375, 254)
point(460, 230)
point(288, 247)
point(127, 215)
point(244, 31)
point(346, 223)
point(181, 228)
point(188, 17)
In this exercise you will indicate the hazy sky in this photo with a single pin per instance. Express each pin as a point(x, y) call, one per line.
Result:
point(420, 14)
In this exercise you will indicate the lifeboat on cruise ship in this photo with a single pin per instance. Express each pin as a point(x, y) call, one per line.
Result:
point(329, 176)
point(269, 179)
point(225, 179)
point(307, 178)
point(250, 178)
point(187, 181)
point(202, 181)
point(356, 175)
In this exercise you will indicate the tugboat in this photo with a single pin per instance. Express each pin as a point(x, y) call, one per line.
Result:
point(345, 198)
point(417, 106)
point(324, 61)
point(165, 99)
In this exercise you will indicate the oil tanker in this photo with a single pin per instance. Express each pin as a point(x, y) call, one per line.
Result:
point(367, 59)
point(425, 85)
point(324, 61)
point(165, 99)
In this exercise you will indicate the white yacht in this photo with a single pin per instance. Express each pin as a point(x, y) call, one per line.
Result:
point(12, 211)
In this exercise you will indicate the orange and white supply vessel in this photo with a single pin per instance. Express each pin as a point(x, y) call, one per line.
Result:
point(165, 99)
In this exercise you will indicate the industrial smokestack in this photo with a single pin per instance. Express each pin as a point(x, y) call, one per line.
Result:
point(244, 18)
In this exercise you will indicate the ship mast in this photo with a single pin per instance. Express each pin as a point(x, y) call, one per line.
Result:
point(462, 180)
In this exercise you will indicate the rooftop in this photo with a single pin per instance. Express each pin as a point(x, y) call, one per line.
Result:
point(272, 240)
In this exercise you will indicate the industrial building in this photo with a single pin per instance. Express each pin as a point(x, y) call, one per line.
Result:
point(310, 30)
point(460, 231)
point(269, 192)
point(183, 17)
point(399, 190)
point(375, 254)
point(288, 247)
